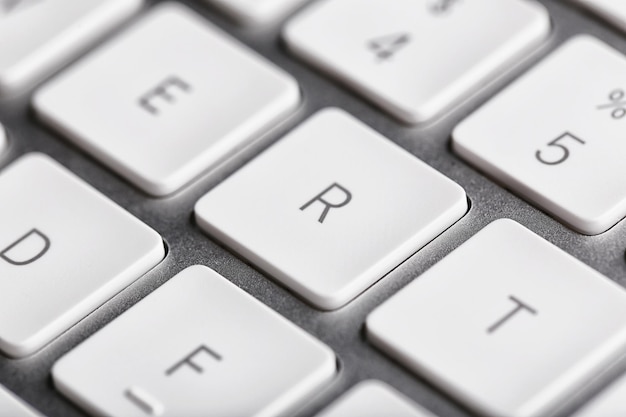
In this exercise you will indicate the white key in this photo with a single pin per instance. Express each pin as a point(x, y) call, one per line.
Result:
point(558, 146)
point(416, 59)
point(374, 399)
point(64, 250)
point(39, 36)
point(609, 403)
point(331, 208)
point(611, 10)
point(197, 346)
point(161, 116)
point(507, 323)
point(11, 406)
point(256, 12)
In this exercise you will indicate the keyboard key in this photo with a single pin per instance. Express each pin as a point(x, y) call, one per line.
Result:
point(374, 399)
point(37, 37)
point(226, 354)
point(11, 406)
point(611, 10)
point(256, 12)
point(64, 250)
point(609, 403)
point(162, 116)
point(331, 208)
point(558, 146)
point(507, 323)
point(416, 59)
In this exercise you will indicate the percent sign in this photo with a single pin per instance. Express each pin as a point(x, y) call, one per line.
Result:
point(618, 104)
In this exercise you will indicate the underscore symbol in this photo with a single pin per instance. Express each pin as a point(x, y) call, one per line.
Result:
point(617, 104)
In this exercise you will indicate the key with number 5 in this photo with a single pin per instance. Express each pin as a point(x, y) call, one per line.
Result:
point(556, 136)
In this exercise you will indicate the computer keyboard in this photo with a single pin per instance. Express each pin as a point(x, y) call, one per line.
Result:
point(306, 208)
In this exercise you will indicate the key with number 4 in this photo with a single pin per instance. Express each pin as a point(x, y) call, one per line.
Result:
point(415, 59)
point(556, 135)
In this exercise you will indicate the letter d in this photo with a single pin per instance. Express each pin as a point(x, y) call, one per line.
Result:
point(27, 249)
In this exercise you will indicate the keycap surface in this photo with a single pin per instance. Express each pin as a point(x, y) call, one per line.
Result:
point(416, 59)
point(38, 36)
point(64, 250)
point(162, 116)
point(373, 399)
point(197, 346)
point(12, 406)
point(256, 12)
point(331, 208)
point(555, 136)
point(508, 323)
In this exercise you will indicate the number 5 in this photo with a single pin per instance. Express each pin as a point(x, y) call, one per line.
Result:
point(564, 151)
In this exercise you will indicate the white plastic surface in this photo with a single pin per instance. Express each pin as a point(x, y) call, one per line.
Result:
point(384, 205)
point(11, 406)
point(197, 346)
point(256, 12)
point(38, 36)
point(167, 99)
point(576, 97)
point(609, 403)
point(507, 323)
point(611, 10)
point(64, 250)
point(374, 399)
point(416, 59)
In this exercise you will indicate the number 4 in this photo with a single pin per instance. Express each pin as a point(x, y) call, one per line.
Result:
point(563, 149)
point(386, 46)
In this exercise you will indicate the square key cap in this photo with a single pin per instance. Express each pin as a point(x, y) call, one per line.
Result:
point(507, 323)
point(331, 208)
point(197, 346)
point(38, 36)
point(556, 135)
point(416, 58)
point(167, 99)
point(64, 250)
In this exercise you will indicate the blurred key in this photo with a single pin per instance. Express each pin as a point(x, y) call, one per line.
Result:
point(39, 36)
point(169, 98)
point(416, 59)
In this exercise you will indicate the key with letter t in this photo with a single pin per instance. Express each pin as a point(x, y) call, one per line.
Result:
point(489, 323)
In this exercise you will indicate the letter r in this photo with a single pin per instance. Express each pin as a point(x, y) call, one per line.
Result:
point(328, 194)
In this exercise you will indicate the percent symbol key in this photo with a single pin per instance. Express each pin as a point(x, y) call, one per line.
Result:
point(617, 104)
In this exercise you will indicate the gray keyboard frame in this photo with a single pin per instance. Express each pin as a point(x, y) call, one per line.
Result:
point(342, 330)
